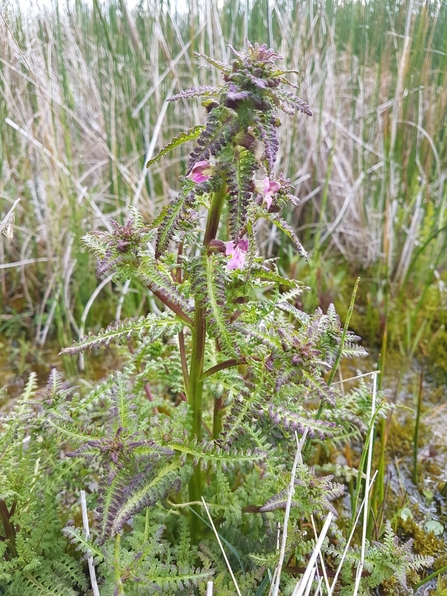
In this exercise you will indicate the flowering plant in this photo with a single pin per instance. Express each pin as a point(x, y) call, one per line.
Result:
point(220, 378)
point(239, 355)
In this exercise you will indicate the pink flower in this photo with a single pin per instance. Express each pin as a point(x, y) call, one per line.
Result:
point(237, 253)
point(201, 171)
point(268, 188)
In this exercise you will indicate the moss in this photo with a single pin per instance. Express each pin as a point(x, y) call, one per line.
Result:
point(400, 437)
point(425, 543)
point(392, 587)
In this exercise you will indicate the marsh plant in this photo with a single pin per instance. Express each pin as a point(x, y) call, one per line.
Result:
point(221, 378)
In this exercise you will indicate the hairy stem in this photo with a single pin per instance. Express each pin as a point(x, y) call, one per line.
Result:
point(195, 385)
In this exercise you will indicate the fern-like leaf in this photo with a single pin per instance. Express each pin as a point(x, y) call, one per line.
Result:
point(313, 493)
point(85, 545)
point(183, 137)
point(240, 187)
point(172, 217)
point(128, 495)
point(124, 331)
point(288, 230)
point(300, 423)
point(225, 68)
point(203, 91)
point(175, 579)
point(291, 104)
point(218, 457)
point(218, 130)
point(215, 286)
point(151, 274)
point(208, 286)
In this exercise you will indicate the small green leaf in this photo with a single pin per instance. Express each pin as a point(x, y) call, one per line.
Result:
point(435, 527)
point(428, 494)
point(406, 514)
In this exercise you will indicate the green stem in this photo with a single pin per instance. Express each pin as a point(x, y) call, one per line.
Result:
point(416, 430)
point(430, 577)
point(182, 347)
point(195, 392)
point(116, 560)
point(195, 387)
point(181, 336)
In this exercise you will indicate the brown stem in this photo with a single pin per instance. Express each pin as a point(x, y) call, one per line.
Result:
point(9, 529)
point(181, 343)
point(148, 392)
point(178, 271)
point(230, 363)
point(176, 309)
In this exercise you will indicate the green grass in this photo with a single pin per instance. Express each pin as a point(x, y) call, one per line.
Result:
point(82, 109)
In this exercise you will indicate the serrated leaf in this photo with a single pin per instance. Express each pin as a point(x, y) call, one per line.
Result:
point(288, 230)
point(147, 493)
point(183, 137)
point(203, 91)
point(216, 63)
point(169, 220)
point(218, 323)
point(268, 275)
point(76, 537)
point(123, 330)
point(240, 185)
point(214, 455)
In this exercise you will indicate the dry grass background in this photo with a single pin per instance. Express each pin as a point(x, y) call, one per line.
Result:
point(82, 107)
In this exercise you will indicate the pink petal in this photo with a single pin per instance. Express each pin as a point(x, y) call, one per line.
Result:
point(267, 186)
point(201, 171)
point(198, 178)
point(268, 200)
point(237, 253)
point(272, 186)
point(237, 260)
point(229, 248)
